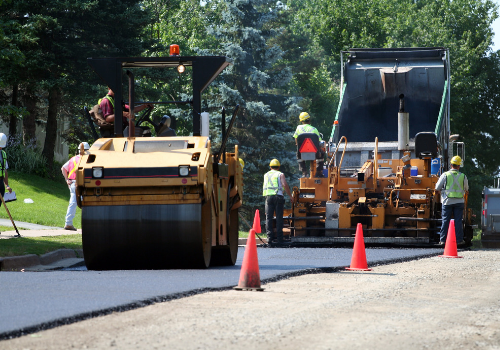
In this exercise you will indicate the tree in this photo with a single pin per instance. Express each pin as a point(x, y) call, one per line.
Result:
point(262, 129)
point(11, 61)
point(64, 33)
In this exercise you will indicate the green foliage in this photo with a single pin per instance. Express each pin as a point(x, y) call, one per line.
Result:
point(25, 158)
point(50, 200)
point(55, 38)
point(246, 32)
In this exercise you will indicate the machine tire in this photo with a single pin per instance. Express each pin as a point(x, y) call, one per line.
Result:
point(226, 255)
point(468, 234)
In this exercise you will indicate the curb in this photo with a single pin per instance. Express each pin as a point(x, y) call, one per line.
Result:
point(16, 263)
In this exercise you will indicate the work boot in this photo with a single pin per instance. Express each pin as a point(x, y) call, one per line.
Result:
point(303, 168)
point(319, 168)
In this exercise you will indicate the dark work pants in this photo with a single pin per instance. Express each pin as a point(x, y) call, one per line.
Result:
point(2, 187)
point(458, 212)
point(274, 204)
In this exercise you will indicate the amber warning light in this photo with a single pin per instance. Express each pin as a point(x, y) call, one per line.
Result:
point(174, 50)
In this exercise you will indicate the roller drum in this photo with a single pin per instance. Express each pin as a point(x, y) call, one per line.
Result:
point(145, 237)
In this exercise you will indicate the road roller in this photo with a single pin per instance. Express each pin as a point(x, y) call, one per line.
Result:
point(159, 202)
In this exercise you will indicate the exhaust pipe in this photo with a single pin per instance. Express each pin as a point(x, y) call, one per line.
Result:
point(403, 126)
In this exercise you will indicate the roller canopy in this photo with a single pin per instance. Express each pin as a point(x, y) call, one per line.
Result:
point(204, 70)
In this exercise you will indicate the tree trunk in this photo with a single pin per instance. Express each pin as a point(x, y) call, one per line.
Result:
point(13, 116)
point(29, 126)
point(51, 128)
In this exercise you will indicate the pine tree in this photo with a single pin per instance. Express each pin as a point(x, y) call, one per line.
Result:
point(262, 129)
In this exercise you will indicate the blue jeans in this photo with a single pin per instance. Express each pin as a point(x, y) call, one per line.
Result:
point(458, 212)
point(274, 204)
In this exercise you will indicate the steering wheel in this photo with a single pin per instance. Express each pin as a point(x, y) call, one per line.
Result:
point(145, 116)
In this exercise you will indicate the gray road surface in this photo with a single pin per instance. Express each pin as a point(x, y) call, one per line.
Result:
point(31, 301)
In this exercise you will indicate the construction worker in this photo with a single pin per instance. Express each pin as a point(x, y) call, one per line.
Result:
point(4, 183)
point(165, 129)
point(306, 127)
point(274, 183)
point(453, 185)
point(107, 104)
point(69, 172)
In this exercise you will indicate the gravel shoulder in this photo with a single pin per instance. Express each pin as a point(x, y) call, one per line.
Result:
point(432, 303)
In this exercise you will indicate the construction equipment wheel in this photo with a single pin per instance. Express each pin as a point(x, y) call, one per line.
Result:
point(226, 255)
point(163, 236)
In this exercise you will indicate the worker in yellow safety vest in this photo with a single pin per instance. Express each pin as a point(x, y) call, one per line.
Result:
point(107, 105)
point(69, 172)
point(306, 127)
point(453, 185)
point(274, 183)
point(4, 175)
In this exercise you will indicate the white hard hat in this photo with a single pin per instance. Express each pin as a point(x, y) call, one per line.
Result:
point(3, 140)
point(85, 145)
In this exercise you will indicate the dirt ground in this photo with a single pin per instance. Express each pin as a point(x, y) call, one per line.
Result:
point(433, 303)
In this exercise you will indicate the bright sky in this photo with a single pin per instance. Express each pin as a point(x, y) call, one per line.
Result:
point(496, 30)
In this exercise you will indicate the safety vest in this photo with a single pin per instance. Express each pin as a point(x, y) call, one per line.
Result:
point(109, 98)
point(272, 185)
point(73, 162)
point(2, 166)
point(454, 184)
point(303, 128)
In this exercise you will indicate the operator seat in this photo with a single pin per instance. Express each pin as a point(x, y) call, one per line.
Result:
point(314, 139)
point(140, 131)
point(309, 149)
point(95, 118)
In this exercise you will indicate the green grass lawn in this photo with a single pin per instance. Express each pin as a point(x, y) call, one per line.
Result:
point(50, 201)
point(8, 228)
point(38, 245)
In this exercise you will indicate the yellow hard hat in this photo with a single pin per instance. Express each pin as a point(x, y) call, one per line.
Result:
point(242, 163)
point(304, 116)
point(456, 160)
point(274, 162)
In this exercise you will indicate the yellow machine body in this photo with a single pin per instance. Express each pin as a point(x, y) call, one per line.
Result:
point(146, 172)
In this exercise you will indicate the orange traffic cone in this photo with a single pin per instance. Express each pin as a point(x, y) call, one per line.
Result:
point(256, 222)
point(450, 248)
point(358, 260)
point(250, 276)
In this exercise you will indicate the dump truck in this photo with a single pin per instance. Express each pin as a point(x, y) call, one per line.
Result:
point(389, 144)
point(159, 202)
point(490, 216)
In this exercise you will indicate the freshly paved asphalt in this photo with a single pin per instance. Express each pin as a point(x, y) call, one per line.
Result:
point(32, 301)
